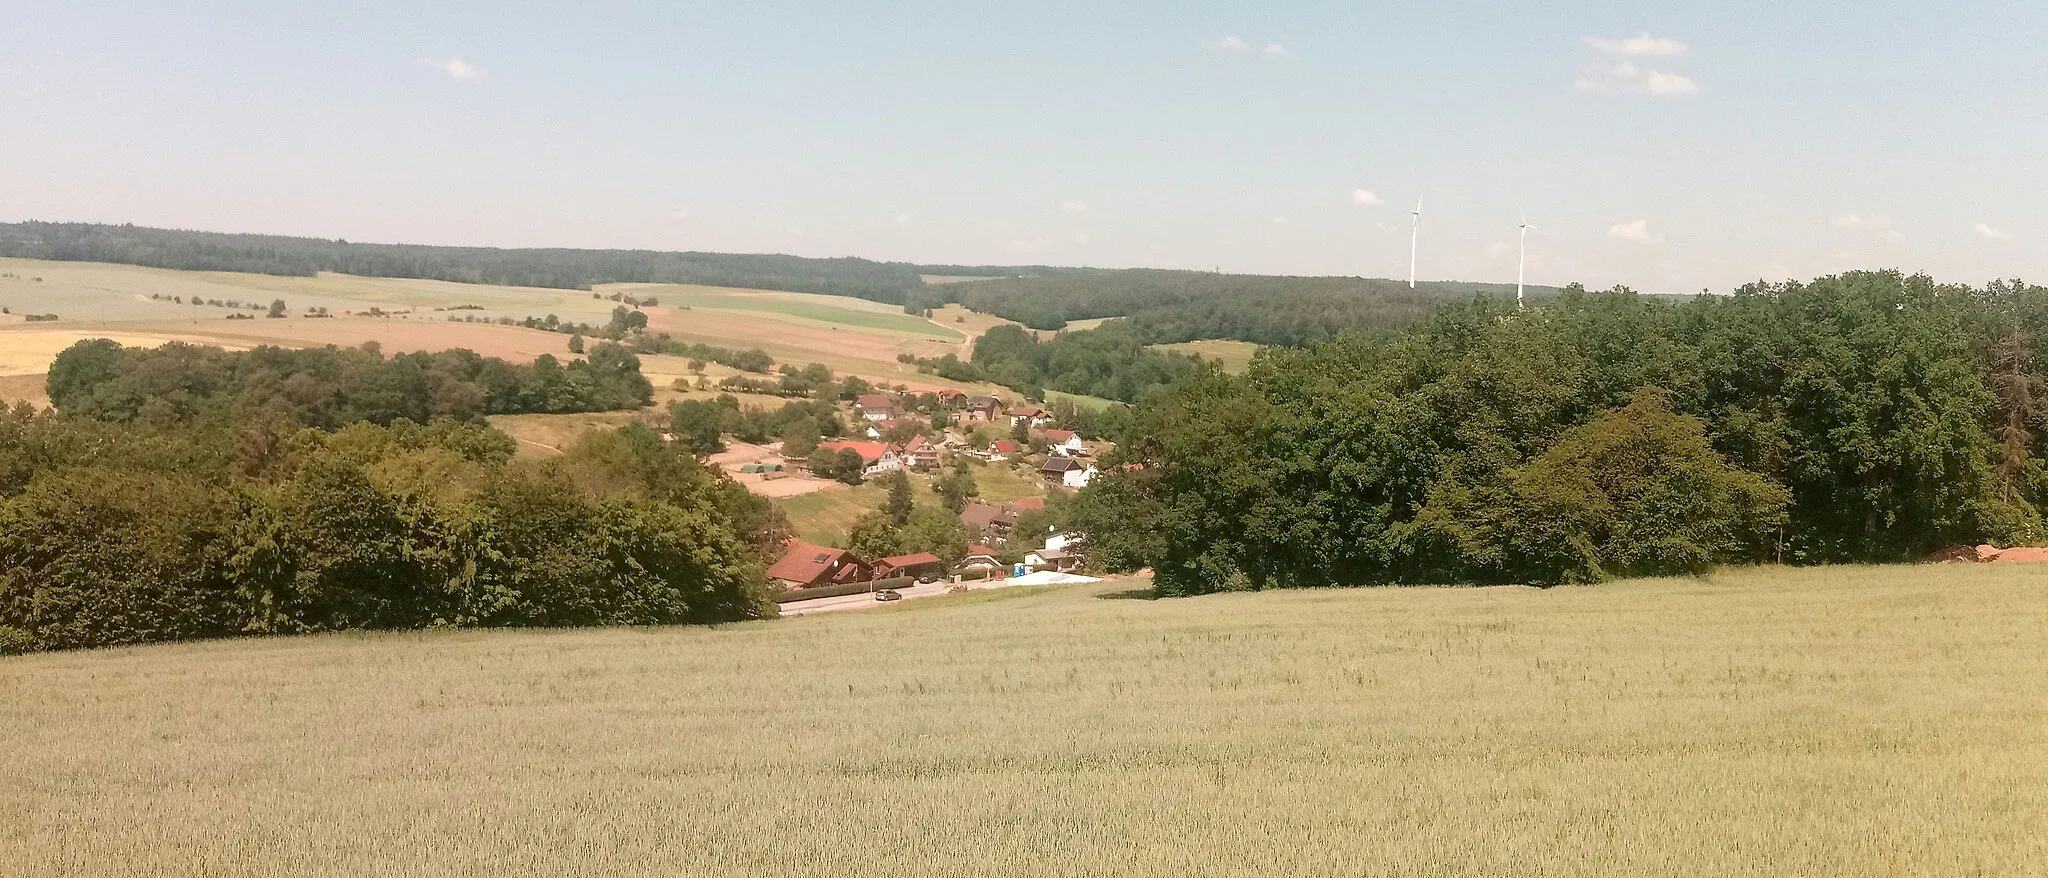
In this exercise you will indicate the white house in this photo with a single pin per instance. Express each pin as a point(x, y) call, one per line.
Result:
point(1065, 442)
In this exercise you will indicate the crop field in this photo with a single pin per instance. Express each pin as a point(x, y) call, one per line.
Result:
point(1847, 721)
point(1234, 355)
point(852, 336)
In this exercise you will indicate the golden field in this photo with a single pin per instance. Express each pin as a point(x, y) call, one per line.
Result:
point(1839, 721)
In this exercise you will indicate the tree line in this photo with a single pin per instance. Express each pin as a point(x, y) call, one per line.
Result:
point(559, 268)
point(1166, 306)
point(331, 387)
point(1866, 417)
point(123, 533)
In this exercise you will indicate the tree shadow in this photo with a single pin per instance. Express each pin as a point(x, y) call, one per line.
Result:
point(1130, 594)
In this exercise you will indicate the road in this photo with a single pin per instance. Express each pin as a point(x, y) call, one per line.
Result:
point(866, 600)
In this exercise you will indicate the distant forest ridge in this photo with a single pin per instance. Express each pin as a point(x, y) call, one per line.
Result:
point(1164, 305)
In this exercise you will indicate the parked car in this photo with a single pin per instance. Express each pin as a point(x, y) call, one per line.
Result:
point(888, 594)
point(928, 579)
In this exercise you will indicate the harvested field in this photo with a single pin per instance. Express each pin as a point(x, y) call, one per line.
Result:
point(24, 388)
point(1235, 356)
point(1844, 721)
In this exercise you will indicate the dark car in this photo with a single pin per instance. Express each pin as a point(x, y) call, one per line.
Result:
point(888, 594)
point(927, 579)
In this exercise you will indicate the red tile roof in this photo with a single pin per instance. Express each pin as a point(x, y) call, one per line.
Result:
point(980, 550)
point(805, 564)
point(1059, 435)
point(1003, 446)
point(1029, 503)
point(869, 451)
point(874, 401)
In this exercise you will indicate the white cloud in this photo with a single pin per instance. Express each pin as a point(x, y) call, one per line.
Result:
point(1274, 49)
point(1030, 245)
point(455, 67)
point(1637, 231)
point(1365, 197)
point(1279, 221)
point(1994, 234)
point(1875, 226)
point(1670, 85)
point(1612, 72)
point(1075, 206)
point(1081, 239)
point(1232, 43)
point(1639, 45)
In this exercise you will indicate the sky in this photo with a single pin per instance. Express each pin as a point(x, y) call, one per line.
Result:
point(1669, 147)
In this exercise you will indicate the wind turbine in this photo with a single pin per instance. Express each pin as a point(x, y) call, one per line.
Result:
point(1522, 265)
point(1414, 234)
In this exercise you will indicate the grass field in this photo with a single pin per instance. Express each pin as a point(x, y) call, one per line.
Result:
point(1087, 402)
point(1234, 355)
point(1848, 721)
point(825, 518)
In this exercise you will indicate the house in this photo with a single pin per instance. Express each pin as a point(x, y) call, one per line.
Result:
point(1067, 471)
point(875, 407)
point(989, 521)
point(919, 564)
point(981, 408)
point(1052, 559)
point(950, 398)
point(803, 565)
point(981, 558)
point(920, 455)
point(1062, 541)
point(875, 457)
point(1030, 416)
point(1001, 449)
point(1065, 442)
point(878, 429)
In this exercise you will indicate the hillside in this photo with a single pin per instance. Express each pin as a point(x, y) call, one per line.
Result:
point(1834, 721)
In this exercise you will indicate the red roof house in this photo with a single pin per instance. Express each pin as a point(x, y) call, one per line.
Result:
point(908, 565)
point(803, 565)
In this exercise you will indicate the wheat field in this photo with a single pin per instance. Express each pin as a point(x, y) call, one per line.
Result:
point(1846, 721)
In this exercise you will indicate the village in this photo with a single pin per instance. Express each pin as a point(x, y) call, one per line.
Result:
point(930, 434)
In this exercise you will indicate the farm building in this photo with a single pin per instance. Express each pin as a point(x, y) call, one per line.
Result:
point(982, 408)
point(918, 564)
point(1029, 416)
point(1001, 449)
point(1062, 470)
point(875, 407)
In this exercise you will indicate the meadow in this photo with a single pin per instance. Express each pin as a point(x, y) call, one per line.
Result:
point(1847, 720)
point(1235, 356)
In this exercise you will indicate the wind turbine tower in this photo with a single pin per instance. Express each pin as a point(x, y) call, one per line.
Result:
point(1414, 234)
point(1522, 265)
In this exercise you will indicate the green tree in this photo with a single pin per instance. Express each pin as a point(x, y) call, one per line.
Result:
point(575, 342)
point(697, 425)
point(276, 308)
point(874, 536)
point(800, 437)
point(898, 504)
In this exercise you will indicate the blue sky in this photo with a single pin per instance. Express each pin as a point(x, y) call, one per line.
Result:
point(1666, 146)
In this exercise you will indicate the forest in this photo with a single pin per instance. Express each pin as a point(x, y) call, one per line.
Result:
point(332, 387)
point(1176, 306)
point(122, 533)
point(1867, 417)
point(550, 267)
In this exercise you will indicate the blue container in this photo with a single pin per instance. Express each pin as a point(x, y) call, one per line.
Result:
point(1018, 571)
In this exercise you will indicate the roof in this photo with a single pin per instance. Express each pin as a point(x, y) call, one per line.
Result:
point(1003, 446)
point(912, 560)
point(1029, 503)
point(805, 563)
point(984, 402)
point(1060, 464)
point(1059, 435)
point(1052, 554)
point(917, 444)
point(869, 451)
point(980, 550)
point(950, 393)
point(1030, 411)
point(980, 515)
point(874, 401)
